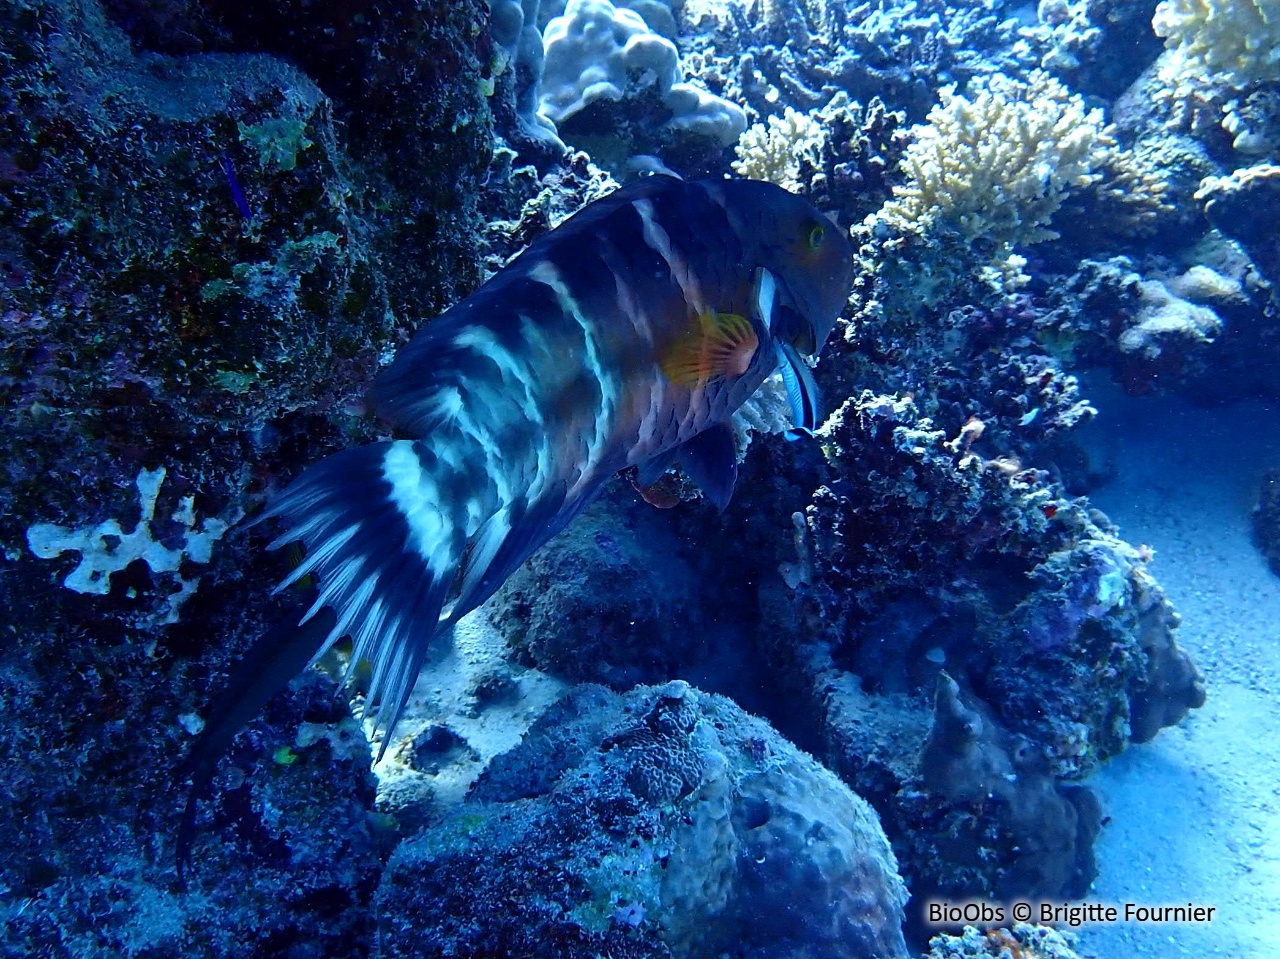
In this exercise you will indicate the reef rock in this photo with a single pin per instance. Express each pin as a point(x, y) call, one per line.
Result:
point(663, 822)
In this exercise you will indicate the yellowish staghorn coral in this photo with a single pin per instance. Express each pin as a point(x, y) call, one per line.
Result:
point(772, 151)
point(1238, 38)
point(995, 164)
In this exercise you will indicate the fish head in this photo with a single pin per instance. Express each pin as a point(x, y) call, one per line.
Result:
point(809, 257)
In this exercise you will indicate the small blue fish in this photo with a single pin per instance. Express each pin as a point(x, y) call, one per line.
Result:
point(237, 194)
point(626, 337)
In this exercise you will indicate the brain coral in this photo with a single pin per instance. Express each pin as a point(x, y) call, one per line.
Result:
point(996, 163)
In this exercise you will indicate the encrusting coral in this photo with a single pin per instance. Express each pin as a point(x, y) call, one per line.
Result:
point(1246, 207)
point(994, 164)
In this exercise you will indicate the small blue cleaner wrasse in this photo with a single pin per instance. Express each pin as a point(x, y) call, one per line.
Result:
point(626, 337)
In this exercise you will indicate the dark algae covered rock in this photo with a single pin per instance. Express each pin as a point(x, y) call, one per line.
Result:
point(196, 283)
point(662, 822)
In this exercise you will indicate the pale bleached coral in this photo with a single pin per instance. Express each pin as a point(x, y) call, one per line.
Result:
point(773, 150)
point(1238, 38)
point(1167, 322)
point(595, 51)
point(994, 164)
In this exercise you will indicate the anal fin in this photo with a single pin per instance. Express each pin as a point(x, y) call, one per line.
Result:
point(711, 460)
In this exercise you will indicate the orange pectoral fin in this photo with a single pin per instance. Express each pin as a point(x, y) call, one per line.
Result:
point(721, 344)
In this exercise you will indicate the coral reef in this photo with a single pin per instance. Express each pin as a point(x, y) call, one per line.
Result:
point(217, 220)
point(841, 156)
point(596, 608)
point(1199, 331)
point(1238, 38)
point(1246, 207)
point(923, 549)
point(946, 507)
point(204, 250)
point(665, 822)
point(994, 164)
point(929, 566)
point(1023, 941)
point(774, 150)
point(1144, 192)
point(1220, 68)
point(521, 206)
point(518, 82)
point(861, 147)
point(801, 54)
point(606, 72)
point(106, 548)
point(1098, 47)
point(1164, 318)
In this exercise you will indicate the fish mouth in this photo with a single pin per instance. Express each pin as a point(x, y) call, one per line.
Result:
point(791, 335)
point(781, 315)
point(795, 329)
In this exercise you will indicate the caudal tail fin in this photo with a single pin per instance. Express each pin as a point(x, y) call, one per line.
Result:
point(385, 537)
point(383, 541)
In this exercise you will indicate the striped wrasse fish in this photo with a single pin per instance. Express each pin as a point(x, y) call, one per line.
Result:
point(627, 336)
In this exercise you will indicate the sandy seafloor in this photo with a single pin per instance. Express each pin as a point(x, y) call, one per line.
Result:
point(1195, 814)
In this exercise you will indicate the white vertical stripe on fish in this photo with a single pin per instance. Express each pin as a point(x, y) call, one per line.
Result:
point(538, 343)
point(598, 445)
point(658, 239)
point(632, 307)
point(416, 496)
point(520, 378)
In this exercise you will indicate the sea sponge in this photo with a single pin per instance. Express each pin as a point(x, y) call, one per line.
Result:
point(994, 164)
point(167, 548)
point(1238, 38)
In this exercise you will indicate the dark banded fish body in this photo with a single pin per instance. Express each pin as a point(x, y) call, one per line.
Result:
point(522, 400)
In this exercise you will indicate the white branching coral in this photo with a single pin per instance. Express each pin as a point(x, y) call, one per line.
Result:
point(995, 164)
point(773, 150)
point(1238, 38)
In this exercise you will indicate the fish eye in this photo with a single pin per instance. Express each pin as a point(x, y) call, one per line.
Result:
point(816, 236)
